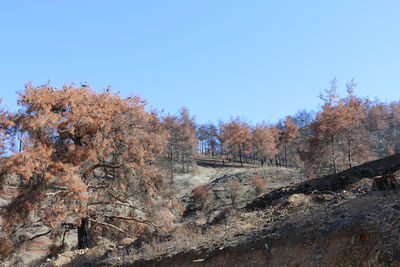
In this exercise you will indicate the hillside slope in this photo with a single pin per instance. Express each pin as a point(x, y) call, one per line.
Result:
point(336, 220)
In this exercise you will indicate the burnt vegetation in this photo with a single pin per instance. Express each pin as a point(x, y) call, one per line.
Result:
point(110, 169)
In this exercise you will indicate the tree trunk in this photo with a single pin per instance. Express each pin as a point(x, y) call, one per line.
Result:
point(349, 148)
point(83, 234)
point(183, 162)
point(20, 142)
point(333, 154)
point(187, 163)
point(380, 143)
point(240, 157)
point(171, 167)
point(285, 153)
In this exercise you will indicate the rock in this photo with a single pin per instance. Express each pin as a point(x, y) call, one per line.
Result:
point(318, 256)
point(71, 239)
point(297, 199)
point(4, 202)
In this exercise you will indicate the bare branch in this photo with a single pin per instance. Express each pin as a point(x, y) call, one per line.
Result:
point(39, 235)
point(101, 165)
point(128, 219)
point(114, 203)
point(111, 226)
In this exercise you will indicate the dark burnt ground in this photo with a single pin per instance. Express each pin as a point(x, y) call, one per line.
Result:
point(333, 182)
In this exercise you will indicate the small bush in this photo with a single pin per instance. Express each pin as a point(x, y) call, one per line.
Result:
point(201, 194)
point(259, 184)
point(233, 188)
point(6, 248)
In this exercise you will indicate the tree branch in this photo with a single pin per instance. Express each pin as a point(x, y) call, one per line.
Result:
point(111, 226)
point(100, 165)
point(114, 203)
point(98, 187)
point(128, 219)
point(39, 235)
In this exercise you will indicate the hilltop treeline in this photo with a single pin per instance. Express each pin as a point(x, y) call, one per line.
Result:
point(345, 131)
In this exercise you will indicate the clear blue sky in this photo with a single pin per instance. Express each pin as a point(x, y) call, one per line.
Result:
point(258, 59)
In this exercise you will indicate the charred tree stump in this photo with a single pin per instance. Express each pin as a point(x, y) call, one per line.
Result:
point(83, 234)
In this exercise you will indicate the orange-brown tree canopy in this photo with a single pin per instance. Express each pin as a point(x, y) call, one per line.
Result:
point(236, 138)
point(5, 126)
point(68, 134)
point(289, 130)
point(265, 141)
point(339, 129)
point(182, 138)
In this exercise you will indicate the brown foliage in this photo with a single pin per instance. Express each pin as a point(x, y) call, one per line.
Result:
point(377, 117)
point(233, 187)
point(6, 247)
point(259, 184)
point(182, 140)
point(265, 142)
point(69, 135)
point(339, 137)
point(5, 125)
point(202, 194)
point(187, 131)
point(236, 138)
point(288, 132)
